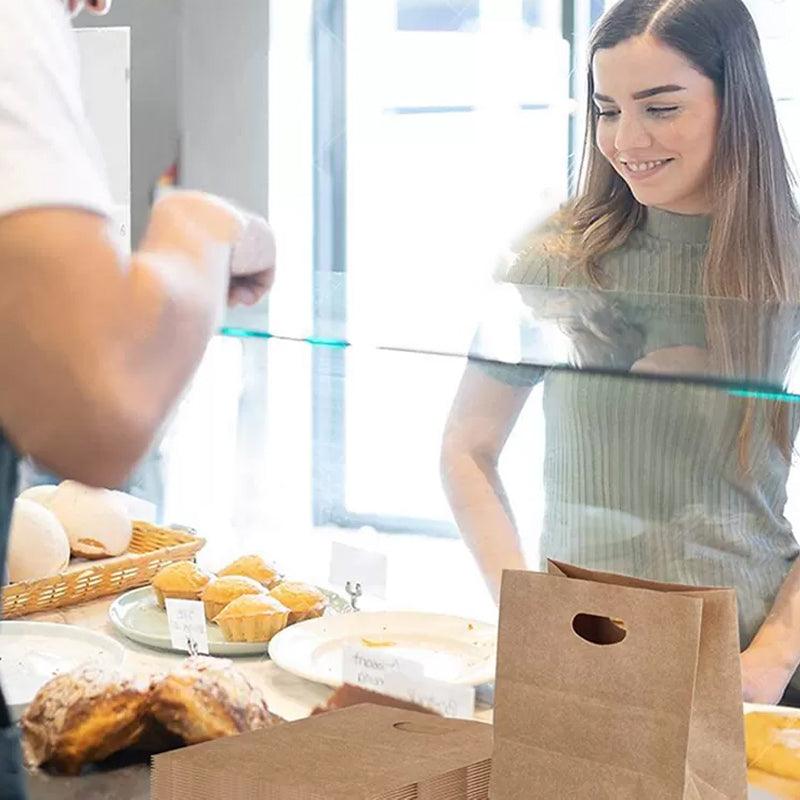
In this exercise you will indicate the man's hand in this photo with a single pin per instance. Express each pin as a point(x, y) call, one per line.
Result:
point(252, 262)
point(252, 253)
point(99, 7)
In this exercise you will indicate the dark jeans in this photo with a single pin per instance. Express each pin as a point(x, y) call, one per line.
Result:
point(791, 698)
point(12, 774)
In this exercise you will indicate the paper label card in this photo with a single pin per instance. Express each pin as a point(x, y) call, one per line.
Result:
point(380, 671)
point(187, 626)
point(447, 699)
point(371, 669)
point(362, 569)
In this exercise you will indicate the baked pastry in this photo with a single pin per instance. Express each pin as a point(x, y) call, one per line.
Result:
point(253, 567)
point(349, 695)
point(96, 523)
point(252, 618)
point(183, 580)
point(207, 698)
point(222, 591)
point(83, 716)
point(302, 600)
point(773, 743)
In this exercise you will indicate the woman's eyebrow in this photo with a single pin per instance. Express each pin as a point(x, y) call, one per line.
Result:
point(645, 93)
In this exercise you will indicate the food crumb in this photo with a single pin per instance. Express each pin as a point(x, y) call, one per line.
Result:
point(376, 643)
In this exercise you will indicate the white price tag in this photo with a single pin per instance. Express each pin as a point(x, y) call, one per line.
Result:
point(447, 699)
point(356, 566)
point(371, 669)
point(187, 626)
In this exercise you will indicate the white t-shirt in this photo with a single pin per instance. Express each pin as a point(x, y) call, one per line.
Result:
point(49, 155)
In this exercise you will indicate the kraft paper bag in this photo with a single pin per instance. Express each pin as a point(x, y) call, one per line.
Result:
point(364, 752)
point(612, 688)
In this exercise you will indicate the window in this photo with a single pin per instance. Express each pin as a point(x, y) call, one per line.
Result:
point(433, 150)
point(437, 15)
point(450, 147)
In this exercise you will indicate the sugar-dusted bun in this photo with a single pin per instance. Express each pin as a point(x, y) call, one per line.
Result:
point(39, 494)
point(38, 545)
point(95, 521)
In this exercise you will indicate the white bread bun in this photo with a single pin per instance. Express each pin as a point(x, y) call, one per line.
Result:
point(38, 546)
point(39, 494)
point(95, 521)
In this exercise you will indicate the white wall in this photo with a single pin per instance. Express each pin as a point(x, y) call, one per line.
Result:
point(224, 90)
point(154, 28)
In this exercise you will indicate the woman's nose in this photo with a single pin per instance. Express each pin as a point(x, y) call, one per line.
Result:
point(631, 134)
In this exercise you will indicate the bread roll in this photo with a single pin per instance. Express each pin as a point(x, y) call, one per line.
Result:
point(95, 521)
point(38, 545)
point(39, 494)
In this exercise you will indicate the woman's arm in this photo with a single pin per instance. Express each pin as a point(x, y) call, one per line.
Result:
point(773, 657)
point(483, 415)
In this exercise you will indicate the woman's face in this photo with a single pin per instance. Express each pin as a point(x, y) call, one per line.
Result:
point(657, 123)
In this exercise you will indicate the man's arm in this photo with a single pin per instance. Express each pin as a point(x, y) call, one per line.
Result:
point(94, 347)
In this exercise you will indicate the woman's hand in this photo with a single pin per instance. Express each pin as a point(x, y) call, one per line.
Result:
point(681, 360)
point(765, 674)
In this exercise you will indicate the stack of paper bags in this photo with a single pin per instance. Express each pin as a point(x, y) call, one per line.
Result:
point(366, 752)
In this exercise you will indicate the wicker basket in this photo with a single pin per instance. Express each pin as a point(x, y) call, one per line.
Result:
point(151, 549)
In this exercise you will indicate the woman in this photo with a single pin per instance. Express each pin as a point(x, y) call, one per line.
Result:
point(95, 347)
point(685, 191)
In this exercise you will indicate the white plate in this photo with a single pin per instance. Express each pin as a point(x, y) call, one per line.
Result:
point(31, 653)
point(137, 615)
point(451, 649)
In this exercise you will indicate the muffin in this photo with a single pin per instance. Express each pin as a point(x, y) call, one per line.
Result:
point(302, 600)
point(183, 580)
point(225, 590)
point(253, 567)
point(252, 618)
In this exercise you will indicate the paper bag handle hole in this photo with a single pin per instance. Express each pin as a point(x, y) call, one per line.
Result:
point(599, 630)
point(420, 727)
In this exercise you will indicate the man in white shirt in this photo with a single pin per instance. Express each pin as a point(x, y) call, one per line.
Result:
point(95, 346)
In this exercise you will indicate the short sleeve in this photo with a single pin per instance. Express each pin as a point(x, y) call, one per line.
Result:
point(49, 155)
point(534, 265)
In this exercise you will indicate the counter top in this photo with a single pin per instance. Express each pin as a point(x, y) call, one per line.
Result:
point(289, 697)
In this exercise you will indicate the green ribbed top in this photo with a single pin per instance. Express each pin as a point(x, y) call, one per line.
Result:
point(642, 477)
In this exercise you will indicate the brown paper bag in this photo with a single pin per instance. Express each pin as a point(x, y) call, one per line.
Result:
point(365, 752)
point(611, 688)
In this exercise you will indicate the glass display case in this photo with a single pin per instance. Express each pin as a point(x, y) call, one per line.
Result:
point(293, 437)
point(314, 433)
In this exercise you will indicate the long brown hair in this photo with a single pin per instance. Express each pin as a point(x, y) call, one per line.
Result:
point(753, 244)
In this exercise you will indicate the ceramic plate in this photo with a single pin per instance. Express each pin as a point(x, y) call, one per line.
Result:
point(137, 616)
point(451, 649)
point(31, 653)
